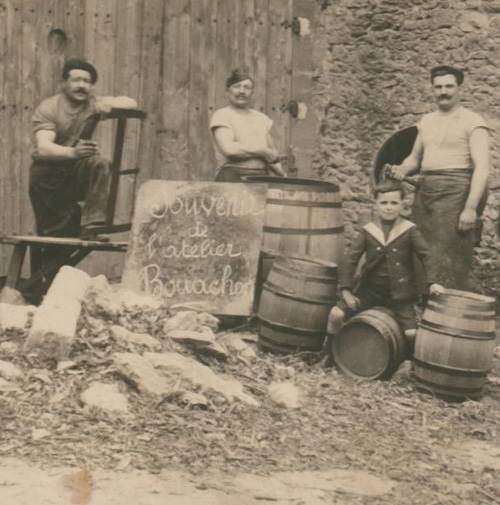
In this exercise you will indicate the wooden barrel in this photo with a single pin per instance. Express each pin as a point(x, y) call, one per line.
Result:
point(454, 344)
point(304, 217)
point(295, 303)
point(266, 259)
point(370, 345)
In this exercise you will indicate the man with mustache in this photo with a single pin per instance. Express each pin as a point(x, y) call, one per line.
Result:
point(242, 135)
point(452, 153)
point(66, 167)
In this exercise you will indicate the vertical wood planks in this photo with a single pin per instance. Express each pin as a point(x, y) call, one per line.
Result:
point(150, 92)
point(225, 48)
point(13, 86)
point(4, 171)
point(173, 132)
point(260, 50)
point(304, 129)
point(31, 14)
point(279, 69)
point(202, 89)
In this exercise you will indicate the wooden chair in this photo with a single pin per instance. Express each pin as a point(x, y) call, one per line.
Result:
point(70, 251)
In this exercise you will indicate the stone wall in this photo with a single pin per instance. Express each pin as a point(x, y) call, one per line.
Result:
point(372, 63)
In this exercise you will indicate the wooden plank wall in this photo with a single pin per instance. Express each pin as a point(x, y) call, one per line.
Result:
point(173, 56)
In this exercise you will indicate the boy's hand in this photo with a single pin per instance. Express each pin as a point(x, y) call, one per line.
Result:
point(436, 289)
point(351, 301)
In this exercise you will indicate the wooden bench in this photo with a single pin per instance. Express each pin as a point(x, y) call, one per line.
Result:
point(70, 251)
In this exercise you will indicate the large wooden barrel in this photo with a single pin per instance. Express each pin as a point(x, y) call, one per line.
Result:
point(266, 259)
point(454, 344)
point(370, 345)
point(295, 303)
point(303, 216)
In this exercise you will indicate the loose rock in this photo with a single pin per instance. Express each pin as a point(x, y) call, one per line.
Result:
point(15, 317)
point(106, 397)
point(191, 320)
point(199, 374)
point(9, 371)
point(140, 371)
point(284, 394)
point(126, 337)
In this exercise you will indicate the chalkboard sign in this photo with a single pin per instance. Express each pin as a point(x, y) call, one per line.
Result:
point(196, 244)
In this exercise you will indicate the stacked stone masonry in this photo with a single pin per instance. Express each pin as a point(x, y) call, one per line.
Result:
point(372, 59)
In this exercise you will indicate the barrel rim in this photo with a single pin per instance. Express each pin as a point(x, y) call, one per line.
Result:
point(293, 182)
point(394, 351)
point(466, 295)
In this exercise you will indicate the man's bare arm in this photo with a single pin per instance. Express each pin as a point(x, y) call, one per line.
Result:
point(277, 168)
point(106, 103)
point(225, 142)
point(480, 154)
point(47, 149)
point(411, 163)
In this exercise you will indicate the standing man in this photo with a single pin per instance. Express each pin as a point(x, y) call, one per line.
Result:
point(452, 153)
point(242, 135)
point(66, 168)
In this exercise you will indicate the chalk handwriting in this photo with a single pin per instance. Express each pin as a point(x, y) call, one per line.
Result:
point(153, 285)
point(207, 248)
point(207, 206)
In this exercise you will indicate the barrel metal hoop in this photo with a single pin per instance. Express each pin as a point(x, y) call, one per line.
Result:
point(461, 372)
point(474, 316)
point(445, 330)
point(300, 332)
point(298, 274)
point(269, 286)
point(304, 203)
point(303, 231)
point(452, 389)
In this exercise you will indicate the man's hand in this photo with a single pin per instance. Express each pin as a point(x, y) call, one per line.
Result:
point(436, 289)
point(277, 169)
point(467, 219)
point(85, 148)
point(351, 300)
point(395, 172)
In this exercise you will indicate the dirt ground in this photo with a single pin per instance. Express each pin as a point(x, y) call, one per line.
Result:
point(349, 441)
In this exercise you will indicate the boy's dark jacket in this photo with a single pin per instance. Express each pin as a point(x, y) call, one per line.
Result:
point(403, 242)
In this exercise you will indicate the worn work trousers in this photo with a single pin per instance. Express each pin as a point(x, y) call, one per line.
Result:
point(55, 189)
point(439, 201)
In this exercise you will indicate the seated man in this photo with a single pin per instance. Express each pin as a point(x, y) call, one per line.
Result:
point(66, 168)
point(387, 278)
point(242, 135)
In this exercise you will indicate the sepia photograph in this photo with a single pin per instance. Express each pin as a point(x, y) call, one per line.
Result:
point(249, 252)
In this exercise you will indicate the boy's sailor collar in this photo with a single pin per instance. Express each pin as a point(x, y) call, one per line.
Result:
point(401, 225)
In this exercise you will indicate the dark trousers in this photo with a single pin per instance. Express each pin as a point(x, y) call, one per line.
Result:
point(438, 203)
point(55, 189)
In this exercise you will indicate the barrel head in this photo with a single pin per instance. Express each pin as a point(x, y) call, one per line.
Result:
point(361, 351)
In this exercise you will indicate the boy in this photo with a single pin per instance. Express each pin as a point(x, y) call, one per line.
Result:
point(387, 276)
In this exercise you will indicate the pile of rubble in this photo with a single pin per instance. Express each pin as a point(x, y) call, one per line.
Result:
point(162, 354)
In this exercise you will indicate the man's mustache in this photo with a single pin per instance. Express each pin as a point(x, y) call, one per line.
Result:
point(444, 96)
point(81, 90)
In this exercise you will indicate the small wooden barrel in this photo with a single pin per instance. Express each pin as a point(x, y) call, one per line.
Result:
point(295, 303)
point(370, 345)
point(454, 344)
point(304, 217)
